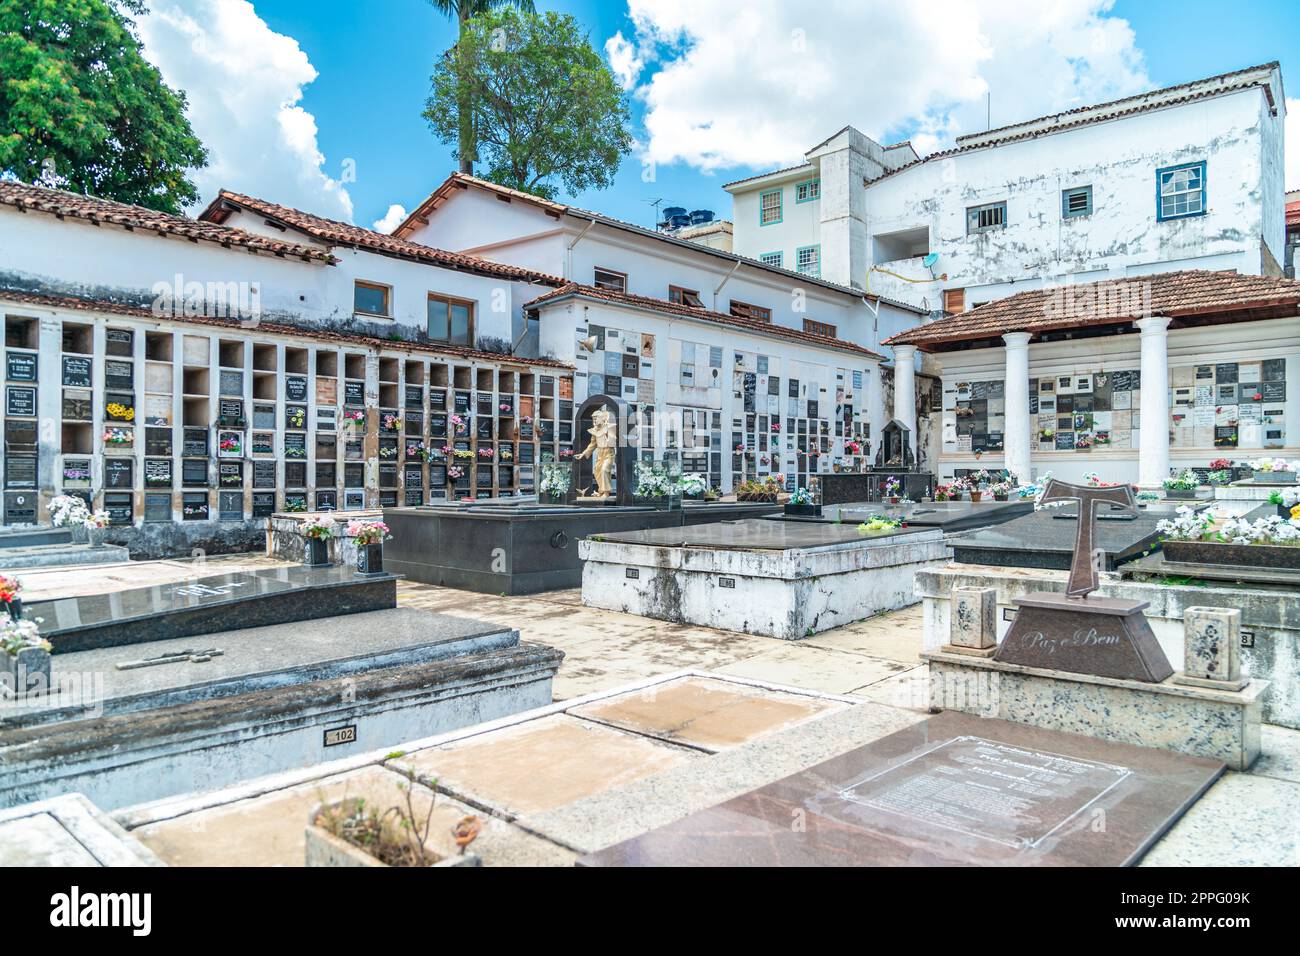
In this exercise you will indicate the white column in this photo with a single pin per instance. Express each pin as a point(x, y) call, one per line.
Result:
point(1153, 453)
point(905, 390)
point(1016, 429)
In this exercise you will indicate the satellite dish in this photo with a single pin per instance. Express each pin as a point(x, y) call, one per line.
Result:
point(930, 259)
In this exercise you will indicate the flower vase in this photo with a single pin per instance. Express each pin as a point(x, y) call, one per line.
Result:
point(15, 608)
point(370, 559)
point(975, 496)
point(96, 537)
point(318, 553)
point(79, 534)
point(27, 672)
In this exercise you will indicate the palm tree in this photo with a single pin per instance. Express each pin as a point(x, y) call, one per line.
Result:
point(464, 11)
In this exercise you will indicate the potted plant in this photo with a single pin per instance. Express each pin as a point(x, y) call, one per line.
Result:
point(976, 483)
point(941, 492)
point(1274, 471)
point(353, 832)
point(95, 524)
point(1199, 538)
point(318, 530)
point(763, 490)
point(652, 483)
point(69, 511)
point(1002, 489)
point(890, 490)
point(9, 590)
point(803, 504)
point(957, 488)
point(1182, 486)
point(369, 537)
point(24, 657)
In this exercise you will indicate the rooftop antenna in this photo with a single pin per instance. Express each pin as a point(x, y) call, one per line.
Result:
point(988, 110)
point(656, 203)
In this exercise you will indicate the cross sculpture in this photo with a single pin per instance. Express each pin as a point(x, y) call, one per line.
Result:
point(1087, 561)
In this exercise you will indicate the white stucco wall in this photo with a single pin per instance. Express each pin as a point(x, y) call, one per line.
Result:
point(1238, 135)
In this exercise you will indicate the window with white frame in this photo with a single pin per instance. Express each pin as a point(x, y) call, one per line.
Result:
point(769, 207)
point(772, 259)
point(986, 218)
point(808, 260)
point(1180, 191)
point(808, 191)
point(609, 279)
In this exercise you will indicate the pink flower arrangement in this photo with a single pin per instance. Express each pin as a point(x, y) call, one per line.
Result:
point(367, 532)
point(455, 471)
point(486, 454)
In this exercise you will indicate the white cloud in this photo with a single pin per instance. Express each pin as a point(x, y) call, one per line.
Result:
point(1291, 145)
point(395, 216)
point(758, 82)
point(624, 59)
point(245, 83)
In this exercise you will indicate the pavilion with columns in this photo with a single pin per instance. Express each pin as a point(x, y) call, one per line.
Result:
point(1127, 378)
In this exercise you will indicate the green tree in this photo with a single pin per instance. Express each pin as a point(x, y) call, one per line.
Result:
point(544, 106)
point(79, 103)
point(463, 11)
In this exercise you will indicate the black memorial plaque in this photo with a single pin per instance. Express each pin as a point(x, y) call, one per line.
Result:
point(77, 371)
point(295, 388)
point(230, 506)
point(194, 507)
point(20, 507)
point(119, 342)
point(194, 473)
point(20, 471)
point(120, 507)
point(20, 400)
point(20, 366)
point(157, 472)
point(263, 504)
point(295, 475)
point(157, 441)
point(264, 474)
point(194, 443)
point(230, 474)
point(119, 472)
point(414, 396)
point(354, 393)
point(263, 443)
point(158, 507)
point(295, 445)
point(119, 374)
point(354, 474)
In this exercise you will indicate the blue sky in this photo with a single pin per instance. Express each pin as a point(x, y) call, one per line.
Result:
point(374, 59)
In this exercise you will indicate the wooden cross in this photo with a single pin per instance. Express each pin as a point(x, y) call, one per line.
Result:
point(1087, 561)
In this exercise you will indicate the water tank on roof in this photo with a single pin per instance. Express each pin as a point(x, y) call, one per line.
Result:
point(671, 211)
point(700, 216)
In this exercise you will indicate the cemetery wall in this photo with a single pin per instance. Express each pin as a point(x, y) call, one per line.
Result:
point(1234, 393)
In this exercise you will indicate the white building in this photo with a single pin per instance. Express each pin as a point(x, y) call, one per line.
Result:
point(1188, 177)
point(191, 377)
point(751, 368)
point(1127, 378)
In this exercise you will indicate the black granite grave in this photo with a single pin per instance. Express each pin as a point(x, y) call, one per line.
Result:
point(1045, 539)
point(948, 516)
point(206, 605)
point(501, 548)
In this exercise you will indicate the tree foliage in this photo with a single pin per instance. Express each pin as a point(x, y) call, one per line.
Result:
point(545, 107)
point(82, 107)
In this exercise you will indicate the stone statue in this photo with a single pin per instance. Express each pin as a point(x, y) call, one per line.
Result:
point(604, 446)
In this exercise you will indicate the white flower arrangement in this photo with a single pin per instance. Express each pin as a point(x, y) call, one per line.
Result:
point(556, 477)
point(1191, 525)
point(20, 635)
point(693, 486)
point(99, 519)
point(320, 527)
point(652, 481)
point(68, 510)
point(1187, 480)
point(1289, 497)
point(1274, 464)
